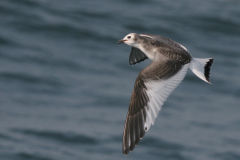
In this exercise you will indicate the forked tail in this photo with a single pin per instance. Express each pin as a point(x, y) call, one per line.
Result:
point(201, 67)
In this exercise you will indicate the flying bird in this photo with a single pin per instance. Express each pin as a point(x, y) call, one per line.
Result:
point(170, 62)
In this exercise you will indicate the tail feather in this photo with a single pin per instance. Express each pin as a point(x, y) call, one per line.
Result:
point(207, 69)
point(201, 67)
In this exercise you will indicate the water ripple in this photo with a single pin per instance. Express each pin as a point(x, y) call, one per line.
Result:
point(27, 78)
point(59, 136)
point(29, 156)
point(227, 155)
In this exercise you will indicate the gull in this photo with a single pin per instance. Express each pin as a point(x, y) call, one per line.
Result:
point(170, 62)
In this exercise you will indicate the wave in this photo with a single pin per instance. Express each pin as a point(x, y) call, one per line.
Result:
point(59, 136)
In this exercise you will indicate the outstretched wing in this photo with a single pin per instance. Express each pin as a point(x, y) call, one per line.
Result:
point(136, 56)
point(152, 87)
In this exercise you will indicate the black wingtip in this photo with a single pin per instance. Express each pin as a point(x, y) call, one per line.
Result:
point(125, 152)
point(207, 69)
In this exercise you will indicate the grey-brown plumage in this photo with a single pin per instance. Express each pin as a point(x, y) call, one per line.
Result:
point(136, 56)
point(154, 83)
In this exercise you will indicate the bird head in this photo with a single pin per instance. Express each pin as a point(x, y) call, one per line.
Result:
point(130, 39)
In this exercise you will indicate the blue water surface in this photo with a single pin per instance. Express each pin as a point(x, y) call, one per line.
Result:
point(65, 84)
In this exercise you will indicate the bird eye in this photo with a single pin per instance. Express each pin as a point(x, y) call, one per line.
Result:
point(129, 37)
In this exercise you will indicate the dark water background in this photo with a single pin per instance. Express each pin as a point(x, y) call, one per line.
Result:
point(65, 84)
